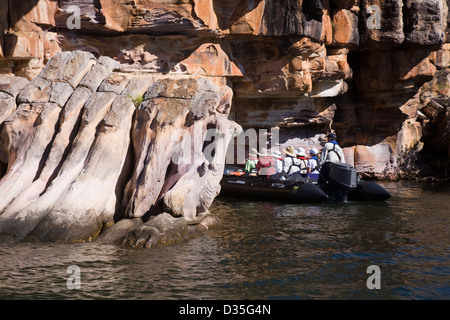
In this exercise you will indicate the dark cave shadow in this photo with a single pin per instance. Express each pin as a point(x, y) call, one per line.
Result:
point(362, 103)
point(229, 12)
point(10, 18)
point(21, 8)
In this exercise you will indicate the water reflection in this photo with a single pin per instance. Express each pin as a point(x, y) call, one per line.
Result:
point(262, 250)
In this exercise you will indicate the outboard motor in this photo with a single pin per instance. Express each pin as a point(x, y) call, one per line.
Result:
point(342, 177)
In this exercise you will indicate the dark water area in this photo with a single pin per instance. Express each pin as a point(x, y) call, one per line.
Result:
point(262, 250)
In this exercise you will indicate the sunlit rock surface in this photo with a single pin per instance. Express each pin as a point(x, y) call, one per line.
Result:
point(79, 159)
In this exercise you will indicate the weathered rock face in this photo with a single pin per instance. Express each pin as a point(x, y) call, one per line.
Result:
point(374, 71)
point(179, 113)
point(80, 155)
point(397, 62)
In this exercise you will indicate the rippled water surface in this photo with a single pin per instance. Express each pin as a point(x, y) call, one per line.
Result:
point(262, 250)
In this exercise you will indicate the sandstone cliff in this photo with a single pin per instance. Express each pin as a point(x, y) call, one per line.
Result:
point(375, 72)
point(364, 68)
point(81, 153)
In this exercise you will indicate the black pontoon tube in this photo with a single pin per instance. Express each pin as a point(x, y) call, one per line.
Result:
point(310, 193)
point(368, 191)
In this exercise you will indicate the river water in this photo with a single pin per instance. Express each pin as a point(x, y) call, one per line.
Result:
point(262, 250)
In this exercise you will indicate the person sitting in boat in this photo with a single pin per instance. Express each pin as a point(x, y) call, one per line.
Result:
point(278, 161)
point(250, 164)
point(303, 159)
point(291, 164)
point(266, 164)
point(331, 153)
point(313, 161)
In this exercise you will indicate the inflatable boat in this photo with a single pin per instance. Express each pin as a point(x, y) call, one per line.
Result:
point(263, 188)
point(340, 184)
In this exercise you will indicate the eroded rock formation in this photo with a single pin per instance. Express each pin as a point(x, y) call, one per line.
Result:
point(375, 72)
point(81, 155)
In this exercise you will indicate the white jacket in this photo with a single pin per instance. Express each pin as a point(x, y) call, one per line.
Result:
point(313, 164)
point(291, 165)
point(331, 152)
point(279, 165)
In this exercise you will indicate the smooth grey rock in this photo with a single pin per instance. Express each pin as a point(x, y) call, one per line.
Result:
point(58, 152)
point(60, 93)
point(99, 72)
point(74, 220)
point(12, 85)
point(37, 90)
point(7, 106)
point(119, 230)
point(115, 82)
point(22, 222)
point(70, 170)
point(69, 67)
point(138, 86)
point(24, 169)
point(144, 236)
point(17, 132)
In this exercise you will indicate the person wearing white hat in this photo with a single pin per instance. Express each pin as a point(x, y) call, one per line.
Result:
point(278, 161)
point(300, 152)
point(301, 155)
point(313, 161)
point(263, 153)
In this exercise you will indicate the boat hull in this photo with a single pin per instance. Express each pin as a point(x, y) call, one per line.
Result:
point(266, 189)
point(306, 191)
point(368, 191)
point(342, 185)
